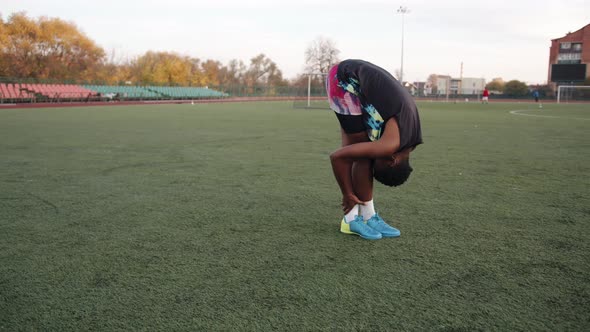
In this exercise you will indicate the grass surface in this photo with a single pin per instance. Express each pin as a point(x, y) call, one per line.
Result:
point(225, 217)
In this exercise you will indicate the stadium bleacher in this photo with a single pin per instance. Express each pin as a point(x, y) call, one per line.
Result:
point(123, 91)
point(21, 91)
point(157, 92)
point(14, 91)
point(60, 91)
point(27, 92)
point(186, 92)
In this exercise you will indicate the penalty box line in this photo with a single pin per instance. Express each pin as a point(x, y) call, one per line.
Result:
point(519, 112)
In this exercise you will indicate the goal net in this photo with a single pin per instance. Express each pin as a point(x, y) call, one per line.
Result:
point(573, 93)
point(311, 92)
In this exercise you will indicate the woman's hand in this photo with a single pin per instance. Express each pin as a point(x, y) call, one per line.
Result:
point(349, 201)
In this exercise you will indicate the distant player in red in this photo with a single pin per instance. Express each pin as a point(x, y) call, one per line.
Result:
point(485, 96)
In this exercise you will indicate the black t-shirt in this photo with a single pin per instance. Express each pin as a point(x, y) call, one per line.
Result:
point(380, 92)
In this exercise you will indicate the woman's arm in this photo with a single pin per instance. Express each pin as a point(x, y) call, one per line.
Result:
point(343, 158)
point(386, 146)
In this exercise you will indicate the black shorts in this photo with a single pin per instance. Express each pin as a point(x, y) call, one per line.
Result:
point(351, 123)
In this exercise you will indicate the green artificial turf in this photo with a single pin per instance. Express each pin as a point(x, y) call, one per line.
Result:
point(225, 217)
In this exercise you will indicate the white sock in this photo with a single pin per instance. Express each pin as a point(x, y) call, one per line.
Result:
point(367, 210)
point(353, 213)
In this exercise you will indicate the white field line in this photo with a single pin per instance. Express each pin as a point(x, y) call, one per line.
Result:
point(518, 112)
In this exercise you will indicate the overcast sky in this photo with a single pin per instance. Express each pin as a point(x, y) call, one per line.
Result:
point(508, 39)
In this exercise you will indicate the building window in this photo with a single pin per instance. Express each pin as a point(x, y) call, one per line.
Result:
point(565, 46)
point(577, 47)
point(569, 58)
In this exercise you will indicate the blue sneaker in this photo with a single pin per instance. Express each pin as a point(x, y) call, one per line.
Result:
point(360, 228)
point(377, 223)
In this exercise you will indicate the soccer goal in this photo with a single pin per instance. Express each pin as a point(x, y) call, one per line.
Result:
point(572, 93)
point(311, 92)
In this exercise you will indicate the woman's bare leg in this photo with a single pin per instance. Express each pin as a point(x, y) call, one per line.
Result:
point(362, 170)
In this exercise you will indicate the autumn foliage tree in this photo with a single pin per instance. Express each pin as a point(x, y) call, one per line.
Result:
point(163, 68)
point(516, 88)
point(50, 48)
point(497, 84)
point(113, 72)
point(46, 48)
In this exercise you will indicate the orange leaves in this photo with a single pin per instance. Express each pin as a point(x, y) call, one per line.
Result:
point(45, 48)
point(51, 48)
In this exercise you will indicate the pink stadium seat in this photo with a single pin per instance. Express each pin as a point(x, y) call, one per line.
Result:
point(28, 90)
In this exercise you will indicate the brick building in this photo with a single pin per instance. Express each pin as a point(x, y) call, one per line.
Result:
point(569, 58)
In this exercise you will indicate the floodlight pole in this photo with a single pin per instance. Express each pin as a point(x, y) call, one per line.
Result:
point(402, 10)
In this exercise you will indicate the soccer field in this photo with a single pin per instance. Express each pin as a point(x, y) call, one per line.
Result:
point(217, 217)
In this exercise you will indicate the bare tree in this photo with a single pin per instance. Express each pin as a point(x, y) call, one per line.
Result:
point(263, 70)
point(433, 81)
point(321, 55)
point(233, 73)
